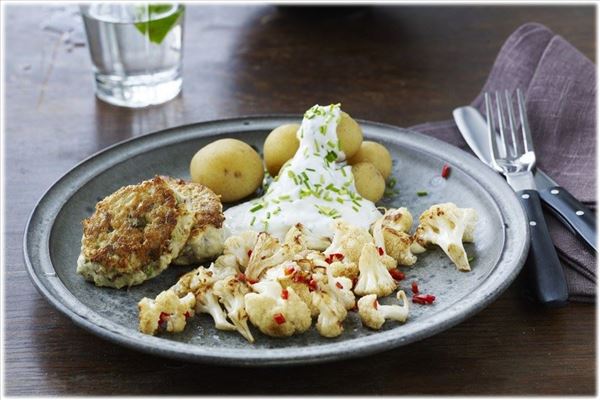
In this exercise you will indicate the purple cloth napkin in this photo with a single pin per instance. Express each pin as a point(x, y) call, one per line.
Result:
point(559, 85)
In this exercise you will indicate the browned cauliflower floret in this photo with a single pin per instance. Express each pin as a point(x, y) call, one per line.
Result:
point(241, 247)
point(448, 226)
point(267, 253)
point(349, 241)
point(306, 239)
point(332, 314)
point(391, 234)
point(167, 310)
point(276, 311)
point(231, 292)
point(348, 270)
point(373, 314)
point(200, 283)
point(374, 277)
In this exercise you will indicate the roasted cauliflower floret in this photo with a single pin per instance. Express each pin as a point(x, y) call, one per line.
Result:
point(241, 247)
point(373, 314)
point(167, 311)
point(200, 283)
point(349, 241)
point(348, 270)
point(448, 226)
point(276, 311)
point(374, 277)
point(332, 314)
point(341, 288)
point(306, 238)
point(391, 233)
point(231, 292)
point(224, 266)
point(267, 253)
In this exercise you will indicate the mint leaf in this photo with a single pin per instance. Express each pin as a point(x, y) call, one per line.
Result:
point(157, 29)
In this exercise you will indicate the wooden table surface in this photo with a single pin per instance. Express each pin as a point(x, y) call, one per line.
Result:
point(400, 65)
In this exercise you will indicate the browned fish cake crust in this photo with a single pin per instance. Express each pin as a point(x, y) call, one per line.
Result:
point(139, 228)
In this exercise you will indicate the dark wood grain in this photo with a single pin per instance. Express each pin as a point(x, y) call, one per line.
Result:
point(399, 65)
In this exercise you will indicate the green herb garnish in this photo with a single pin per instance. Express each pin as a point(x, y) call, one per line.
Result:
point(157, 29)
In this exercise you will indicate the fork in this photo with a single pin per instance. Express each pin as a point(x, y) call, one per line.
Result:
point(516, 161)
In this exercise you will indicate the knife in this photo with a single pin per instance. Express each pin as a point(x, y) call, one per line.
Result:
point(571, 212)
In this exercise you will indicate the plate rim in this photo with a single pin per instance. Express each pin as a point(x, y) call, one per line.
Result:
point(280, 356)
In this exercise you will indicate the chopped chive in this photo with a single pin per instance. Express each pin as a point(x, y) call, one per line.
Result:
point(355, 208)
point(323, 129)
point(391, 182)
point(343, 171)
point(471, 258)
point(256, 207)
point(253, 220)
point(422, 193)
point(331, 156)
point(311, 169)
point(304, 176)
point(340, 200)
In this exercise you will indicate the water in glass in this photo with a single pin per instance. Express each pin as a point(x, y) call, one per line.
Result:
point(136, 51)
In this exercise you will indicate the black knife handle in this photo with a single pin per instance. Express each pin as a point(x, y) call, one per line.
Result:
point(567, 208)
point(546, 274)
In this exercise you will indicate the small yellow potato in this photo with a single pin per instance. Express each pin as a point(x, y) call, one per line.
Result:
point(368, 181)
point(229, 167)
point(349, 134)
point(376, 154)
point(280, 146)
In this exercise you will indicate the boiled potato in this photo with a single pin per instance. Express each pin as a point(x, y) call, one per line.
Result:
point(368, 181)
point(280, 146)
point(349, 134)
point(229, 167)
point(376, 154)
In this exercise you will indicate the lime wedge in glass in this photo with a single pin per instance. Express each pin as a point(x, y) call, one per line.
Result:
point(159, 20)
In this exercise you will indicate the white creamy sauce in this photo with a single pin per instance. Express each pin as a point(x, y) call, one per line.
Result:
point(314, 188)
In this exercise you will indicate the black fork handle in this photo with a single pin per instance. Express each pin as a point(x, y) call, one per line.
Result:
point(546, 275)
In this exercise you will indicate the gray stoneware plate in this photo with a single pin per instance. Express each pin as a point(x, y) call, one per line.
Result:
point(52, 242)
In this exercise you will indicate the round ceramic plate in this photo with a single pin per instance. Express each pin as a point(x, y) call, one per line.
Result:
point(53, 235)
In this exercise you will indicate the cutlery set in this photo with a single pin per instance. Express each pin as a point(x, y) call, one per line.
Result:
point(508, 150)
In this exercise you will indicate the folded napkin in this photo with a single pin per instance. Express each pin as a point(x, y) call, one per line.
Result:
point(559, 85)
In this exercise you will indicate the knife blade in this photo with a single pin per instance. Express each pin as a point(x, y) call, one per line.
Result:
point(570, 211)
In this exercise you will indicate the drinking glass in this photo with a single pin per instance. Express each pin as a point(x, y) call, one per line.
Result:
point(136, 50)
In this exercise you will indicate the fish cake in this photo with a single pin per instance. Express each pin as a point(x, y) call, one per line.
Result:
point(207, 235)
point(134, 234)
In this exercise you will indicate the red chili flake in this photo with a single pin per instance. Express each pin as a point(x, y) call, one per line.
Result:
point(423, 298)
point(339, 285)
point(163, 318)
point(445, 171)
point(279, 318)
point(354, 281)
point(241, 277)
point(338, 256)
point(397, 275)
point(249, 253)
point(312, 285)
point(414, 287)
point(299, 278)
point(285, 294)
point(251, 281)
point(328, 259)
point(187, 315)
point(376, 304)
point(381, 251)
point(289, 270)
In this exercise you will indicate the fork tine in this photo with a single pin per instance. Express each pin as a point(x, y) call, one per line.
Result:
point(527, 141)
point(501, 125)
point(491, 129)
point(511, 122)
